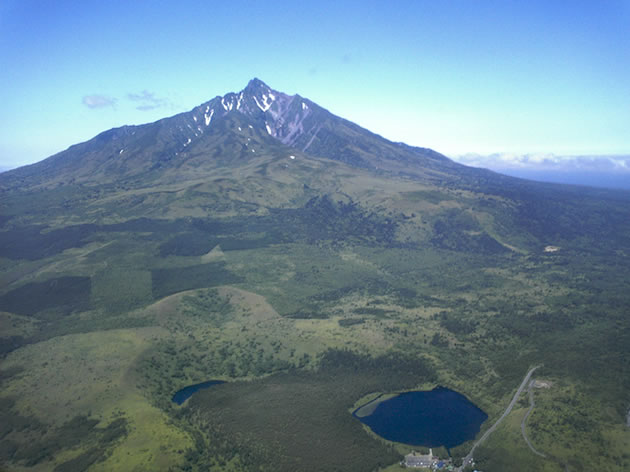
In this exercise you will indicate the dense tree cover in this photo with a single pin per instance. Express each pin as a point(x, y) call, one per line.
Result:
point(62, 294)
point(300, 420)
point(167, 281)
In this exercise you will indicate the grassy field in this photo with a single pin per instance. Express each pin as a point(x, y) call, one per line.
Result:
point(92, 375)
point(299, 303)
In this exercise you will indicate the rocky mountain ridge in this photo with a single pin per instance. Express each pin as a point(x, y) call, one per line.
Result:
point(229, 130)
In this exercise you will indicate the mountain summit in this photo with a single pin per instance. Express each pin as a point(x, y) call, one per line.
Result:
point(281, 115)
point(229, 130)
point(301, 123)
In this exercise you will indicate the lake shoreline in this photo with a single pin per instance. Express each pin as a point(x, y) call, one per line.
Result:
point(429, 418)
point(185, 393)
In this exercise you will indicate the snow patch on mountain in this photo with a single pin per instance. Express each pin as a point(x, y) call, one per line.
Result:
point(207, 117)
point(265, 106)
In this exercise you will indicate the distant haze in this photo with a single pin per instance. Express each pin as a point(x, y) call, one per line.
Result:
point(596, 171)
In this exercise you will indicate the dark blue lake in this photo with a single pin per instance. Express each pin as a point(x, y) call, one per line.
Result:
point(185, 393)
point(440, 417)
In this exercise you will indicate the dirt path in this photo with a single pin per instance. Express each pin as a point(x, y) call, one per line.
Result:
point(468, 459)
point(531, 408)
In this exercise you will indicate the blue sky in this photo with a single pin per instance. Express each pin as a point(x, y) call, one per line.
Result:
point(469, 76)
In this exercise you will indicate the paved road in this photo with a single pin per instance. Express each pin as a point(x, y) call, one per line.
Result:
point(468, 459)
point(531, 408)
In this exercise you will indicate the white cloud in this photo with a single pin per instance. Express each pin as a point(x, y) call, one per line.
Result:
point(98, 101)
point(546, 162)
point(148, 100)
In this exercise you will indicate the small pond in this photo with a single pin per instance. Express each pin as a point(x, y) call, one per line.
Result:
point(185, 393)
point(440, 417)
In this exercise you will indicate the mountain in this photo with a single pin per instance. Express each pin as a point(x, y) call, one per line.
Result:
point(233, 124)
point(268, 149)
point(260, 240)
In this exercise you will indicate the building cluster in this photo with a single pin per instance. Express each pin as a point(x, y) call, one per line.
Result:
point(427, 461)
